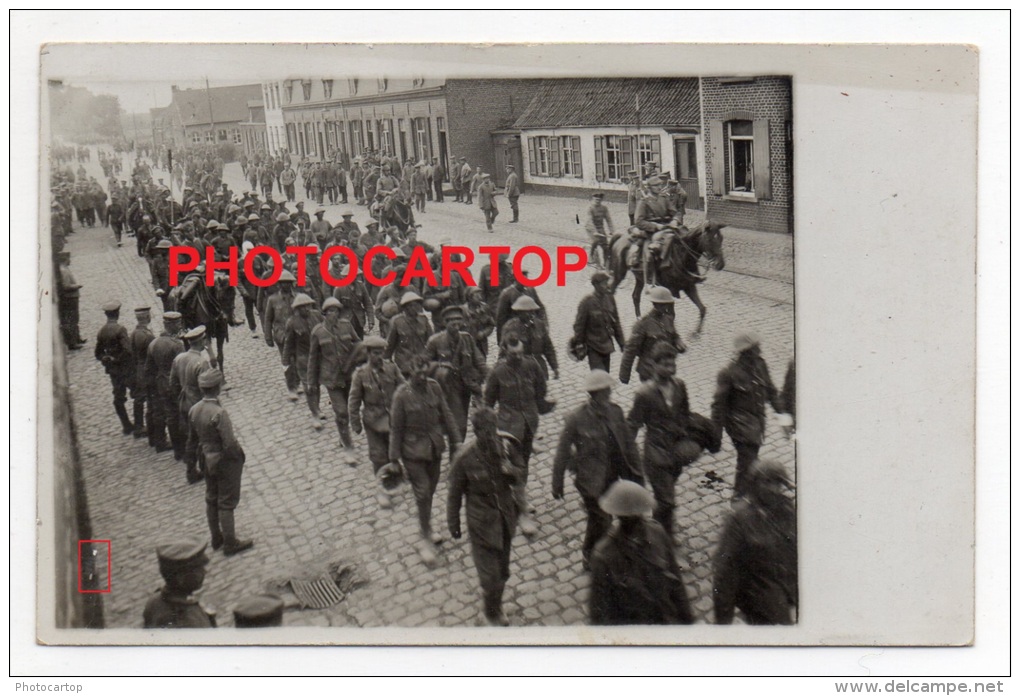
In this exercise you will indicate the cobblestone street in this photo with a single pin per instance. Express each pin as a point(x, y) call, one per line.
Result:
point(305, 508)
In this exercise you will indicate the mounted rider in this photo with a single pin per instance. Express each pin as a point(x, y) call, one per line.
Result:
point(657, 220)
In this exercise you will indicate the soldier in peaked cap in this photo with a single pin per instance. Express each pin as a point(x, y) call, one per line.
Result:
point(597, 444)
point(598, 323)
point(140, 338)
point(635, 578)
point(599, 226)
point(259, 611)
point(184, 373)
point(163, 404)
point(408, 333)
point(182, 566)
point(373, 386)
point(224, 461)
point(113, 350)
point(654, 327)
point(457, 364)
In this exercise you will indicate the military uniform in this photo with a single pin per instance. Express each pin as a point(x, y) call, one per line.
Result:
point(357, 305)
point(163, 402)
point(330, 362)
point(297, 342)
point(68, 297)
point(278, 312)
point(742, 388)
point(597, 325)
point(184, 373)
point(375, 389)
point(407, 337)
point(113, 350)
point(480, 323)
point(537, 342)
point(646, 332)
point(141, 337)
point(505, 303)
point(416, 439)
point(459, 367)
point(182, 565)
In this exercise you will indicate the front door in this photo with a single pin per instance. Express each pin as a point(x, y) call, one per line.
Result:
point(685, 162)
point(444, 156)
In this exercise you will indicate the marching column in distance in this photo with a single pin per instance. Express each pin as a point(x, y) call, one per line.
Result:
point(224, 462)
point(518, 385)
point(113, 350)
point(742, 388)
point(485, 471)
point(648, 331)
point(598, 447)
point(598, 323)
point(373, 386)
point(419, 420)
point(635, 578)
point(330, 362)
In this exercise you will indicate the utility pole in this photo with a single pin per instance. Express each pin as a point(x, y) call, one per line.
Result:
point(208, 95)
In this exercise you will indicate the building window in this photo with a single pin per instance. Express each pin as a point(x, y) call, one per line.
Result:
point(210, 137)
point(357, 144)
point(352, 86)
point(386, 136)
point(570, 155)
point(382, 83)
point(306, 89)
point(614, 157)
point(276, 90)
point(196, 138)
point(288, 89)
point(309, 139)
point(740, 157)
point(327, 89)
point(538, 155)
point(236, 136)
point(418, 82)
point(222, 135)
point(648, 150)
point(422, 139)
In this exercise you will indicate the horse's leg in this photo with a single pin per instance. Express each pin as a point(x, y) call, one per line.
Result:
point(220, 340)
point(639, 285)
point(692, 292)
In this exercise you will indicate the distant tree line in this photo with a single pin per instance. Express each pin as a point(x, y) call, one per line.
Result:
point(78, 115)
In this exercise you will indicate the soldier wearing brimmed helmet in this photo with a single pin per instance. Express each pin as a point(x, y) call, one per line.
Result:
point(297, 346)
point(278, 311)
point(408, 333)
point(457, 364)
point(527, 327)
point(331, 359)
point(742, 388)
point(655, 327)
point(635, 578)
point(598, 446)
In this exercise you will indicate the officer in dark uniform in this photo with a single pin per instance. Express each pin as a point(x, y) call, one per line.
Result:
point(649, 330)
point(742, 388)
point(141, 337)
point(259, 611)
point(485, 470)
point(457, 364)
point(182, 566)
point(113, 350)
point(163, 407)
point(598, 323)
point(161, 272)
point(224, 462)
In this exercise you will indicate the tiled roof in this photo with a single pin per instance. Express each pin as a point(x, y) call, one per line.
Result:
point(228, 103)
point(613, 102)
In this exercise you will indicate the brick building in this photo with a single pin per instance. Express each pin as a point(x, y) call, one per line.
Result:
point(749, 151)
point(205, 116)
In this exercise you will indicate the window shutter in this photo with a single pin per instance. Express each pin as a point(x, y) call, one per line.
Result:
point(532, 158)
point(656, 151)
point(715, 135)
point(554, 157)
point(575, 148)
point(600, 158)
point(626, 156)
point(762, 164)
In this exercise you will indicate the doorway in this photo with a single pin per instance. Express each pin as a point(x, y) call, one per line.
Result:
point(685, 166)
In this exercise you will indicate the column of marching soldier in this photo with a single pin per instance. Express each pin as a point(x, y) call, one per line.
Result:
point(410, 389)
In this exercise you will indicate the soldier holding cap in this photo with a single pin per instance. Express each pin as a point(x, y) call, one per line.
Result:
point(635, 578)
point(184, 374)
point(330, 362)
point(485, 470)
point(374, 385)
point(598, 446)
point(598, 323)
point(182, 566)
point(163, 408)
point(278, 312)
point(649, 330)
point(457, 364)
point(259, 611)
point(224, 459)
point(140, 338)
point(113, 350)
point(408, 333)
point(742, 388)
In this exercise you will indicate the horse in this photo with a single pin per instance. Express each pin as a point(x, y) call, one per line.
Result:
point(212, 307)
point(686, 249)
point(398, 214)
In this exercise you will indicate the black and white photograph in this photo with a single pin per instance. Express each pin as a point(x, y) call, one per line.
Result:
point(419, 344)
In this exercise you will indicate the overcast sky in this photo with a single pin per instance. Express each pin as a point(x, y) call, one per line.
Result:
point(139, 97)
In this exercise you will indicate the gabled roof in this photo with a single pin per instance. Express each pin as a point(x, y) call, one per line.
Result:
point(228, 104)
point(613, 102)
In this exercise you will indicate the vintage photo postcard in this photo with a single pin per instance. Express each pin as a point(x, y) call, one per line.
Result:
point(558, 344)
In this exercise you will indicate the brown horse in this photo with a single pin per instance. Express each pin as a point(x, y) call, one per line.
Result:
point(682, 274)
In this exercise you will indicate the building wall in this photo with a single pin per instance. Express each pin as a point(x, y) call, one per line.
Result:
point(476, 108)
point(765, 101)
point(275, 128)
